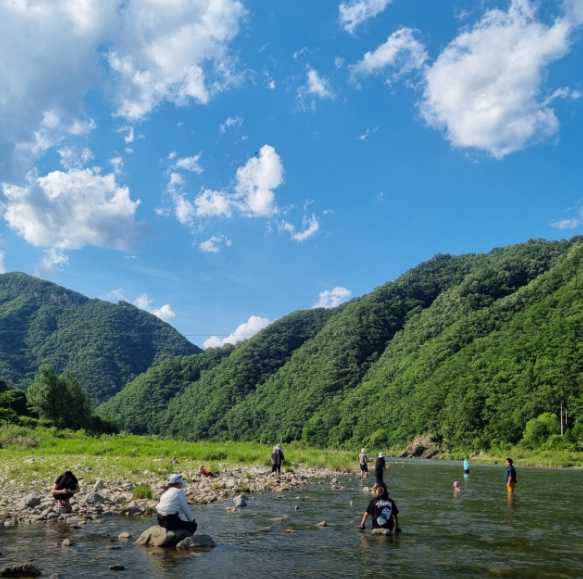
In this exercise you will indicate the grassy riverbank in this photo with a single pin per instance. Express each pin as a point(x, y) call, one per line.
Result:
point(28, 454)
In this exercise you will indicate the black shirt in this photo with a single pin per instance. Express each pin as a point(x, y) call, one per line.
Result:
point(381, 512)
point(67, 482)
point(277, 457)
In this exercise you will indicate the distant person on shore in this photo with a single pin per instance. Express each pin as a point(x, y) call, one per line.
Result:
point(277, 459)
point(363, 463)
point(510, 476)
point(205, 472)
point(382, 510)
point(467, 466)
point(379, 469)
point(64, 489)
point(173, 510)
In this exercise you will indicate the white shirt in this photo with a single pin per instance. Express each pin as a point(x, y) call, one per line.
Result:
point(174, 501)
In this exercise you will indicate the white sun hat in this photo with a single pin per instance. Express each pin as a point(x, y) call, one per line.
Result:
point(175, 479)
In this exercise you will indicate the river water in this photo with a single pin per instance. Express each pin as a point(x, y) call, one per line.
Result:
point(539, 533)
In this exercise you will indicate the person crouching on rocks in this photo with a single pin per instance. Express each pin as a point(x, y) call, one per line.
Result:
point(64, 488)
point(173, 510)
point(382, 510)
point(277, 459)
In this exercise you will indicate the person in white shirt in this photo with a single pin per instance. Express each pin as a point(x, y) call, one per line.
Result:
point(173, 510)
point(363, 463)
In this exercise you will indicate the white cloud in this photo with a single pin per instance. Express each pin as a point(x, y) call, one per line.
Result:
point(173, 51)
point(54, 259)
point(243, 332)
point(213, 204)
point(569, 223)
point(318, 85)
point(214, 244)
point(400, 54)
point(333, 298)
point(70, 210)
point(191, 164)
point(75, 157)
point(485, 89)
point(257, 181)
point(229, 123)
point(144, 302)
point(311, 227)
point(117, 164)
point(2, 261)
point(53, 54)
point(353, 13)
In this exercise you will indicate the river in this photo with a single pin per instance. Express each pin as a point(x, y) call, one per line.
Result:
point(539, 533)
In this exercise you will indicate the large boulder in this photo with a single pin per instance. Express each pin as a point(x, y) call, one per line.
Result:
point(32, 500)
point(422, 446)
point(159, 537)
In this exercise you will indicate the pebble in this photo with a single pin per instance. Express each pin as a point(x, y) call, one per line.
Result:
point(67, 543)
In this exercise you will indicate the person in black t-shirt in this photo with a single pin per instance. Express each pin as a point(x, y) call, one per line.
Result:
point(277, 459)
point(510, 475)
point(65, 487)
point(379, 469)
point(382, 510)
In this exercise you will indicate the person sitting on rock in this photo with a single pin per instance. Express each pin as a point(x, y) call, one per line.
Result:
point(277, 459)
point(64, 488)
point(383, 511)
point(173, 510)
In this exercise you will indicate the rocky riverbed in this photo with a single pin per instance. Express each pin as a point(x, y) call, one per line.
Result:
point(31, 503)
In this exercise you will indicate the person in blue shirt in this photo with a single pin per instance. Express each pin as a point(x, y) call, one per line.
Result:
point(467, 466)
point(510, 476)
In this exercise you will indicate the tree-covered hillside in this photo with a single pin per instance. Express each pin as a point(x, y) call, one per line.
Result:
point(104, 345)
point(468, 349)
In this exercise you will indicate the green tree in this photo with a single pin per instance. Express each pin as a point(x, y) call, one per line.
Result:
point(539, 429)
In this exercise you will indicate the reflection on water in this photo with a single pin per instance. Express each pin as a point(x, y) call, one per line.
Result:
point(482, 531)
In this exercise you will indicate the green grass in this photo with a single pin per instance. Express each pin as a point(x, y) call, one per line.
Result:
point(28, 454)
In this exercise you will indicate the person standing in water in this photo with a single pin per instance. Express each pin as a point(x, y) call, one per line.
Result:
point(467, 466)
point(379, 469)
point(173, 510)
point(277, 459)
point(510, 476)
point(382, 510)
point(363, 463)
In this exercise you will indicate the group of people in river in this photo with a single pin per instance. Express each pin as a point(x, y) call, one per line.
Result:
point(174, 512)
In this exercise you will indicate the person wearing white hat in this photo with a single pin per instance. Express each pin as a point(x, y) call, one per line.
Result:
point(363, 463)
point(173, 510)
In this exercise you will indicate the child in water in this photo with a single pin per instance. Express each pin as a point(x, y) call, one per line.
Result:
point(457, 488)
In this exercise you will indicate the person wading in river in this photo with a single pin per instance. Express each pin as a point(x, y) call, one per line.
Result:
point(363, 463)
point(173, 510)
point(382, 510)
point(64, 488)
point(510, 476)
point(379, 469)
point(277, 459)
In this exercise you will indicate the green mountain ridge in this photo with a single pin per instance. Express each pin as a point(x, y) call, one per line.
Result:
point(105, 345)
point(466, 348)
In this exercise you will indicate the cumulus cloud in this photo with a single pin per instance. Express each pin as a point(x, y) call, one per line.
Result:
point(191, 164)
point(173, 51)
point(311, 226)
point(156, 52)
point(54, 259)
point(257, 181)
point(209, 203)
point(485, 89)
point(145, 302)
point(71, 209)
point(318, 85)
point(230, 123)
point(243, 332)
point(355, 12)
point(214, 244)
point(333, 298)
point(400, 54)
point(75, 157)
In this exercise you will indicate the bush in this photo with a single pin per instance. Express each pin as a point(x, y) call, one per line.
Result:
point(142, 492)
point(539, 429)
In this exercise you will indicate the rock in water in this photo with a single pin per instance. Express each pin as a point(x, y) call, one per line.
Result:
point(116, 568)
point(159, 537)
point(196, 543)
point(322, 524)
point(124, 536)
point(26, 570)
point(240, 501)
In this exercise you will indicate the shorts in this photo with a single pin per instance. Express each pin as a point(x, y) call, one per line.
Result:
point(467, 471)
point(363, 468)
point(510, 487)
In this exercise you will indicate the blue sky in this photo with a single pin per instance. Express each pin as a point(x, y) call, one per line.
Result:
point(222, 162)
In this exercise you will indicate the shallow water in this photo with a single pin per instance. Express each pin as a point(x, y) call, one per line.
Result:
point(479, 534)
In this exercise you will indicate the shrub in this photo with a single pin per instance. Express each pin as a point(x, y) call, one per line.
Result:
point(539, 429)
point(142, 492)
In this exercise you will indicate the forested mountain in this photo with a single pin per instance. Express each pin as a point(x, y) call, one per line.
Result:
point(466, 348)
point(105, 345)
